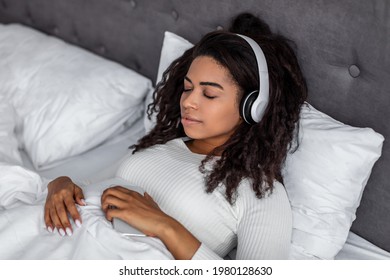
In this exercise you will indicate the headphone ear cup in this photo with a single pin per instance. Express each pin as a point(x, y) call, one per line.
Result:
point(246, 106)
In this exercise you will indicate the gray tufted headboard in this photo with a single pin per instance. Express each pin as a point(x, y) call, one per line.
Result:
point(343, 47)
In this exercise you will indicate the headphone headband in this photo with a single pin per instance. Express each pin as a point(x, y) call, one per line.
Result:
point(258, 107)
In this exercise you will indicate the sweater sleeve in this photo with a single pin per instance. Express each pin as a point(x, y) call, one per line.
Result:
point(264, 228)
point(205, 253)
point(265, 225)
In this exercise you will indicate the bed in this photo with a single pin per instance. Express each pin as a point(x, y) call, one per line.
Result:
point(103, 48)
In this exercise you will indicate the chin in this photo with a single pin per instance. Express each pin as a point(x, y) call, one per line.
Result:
point(193, 134)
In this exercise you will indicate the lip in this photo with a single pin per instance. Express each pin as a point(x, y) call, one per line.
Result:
point(188, 120)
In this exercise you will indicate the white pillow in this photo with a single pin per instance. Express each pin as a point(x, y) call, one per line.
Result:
point(324, 178)
point(8, 143)
point(68, 100)
point(173, 47)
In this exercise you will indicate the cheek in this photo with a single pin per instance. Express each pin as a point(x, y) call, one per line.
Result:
point(225, 116)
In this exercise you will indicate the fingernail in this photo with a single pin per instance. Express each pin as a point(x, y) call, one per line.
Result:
point(83, 202)
point(61, 232)
point(78, 223)
point(49, 229)
point(68, 231)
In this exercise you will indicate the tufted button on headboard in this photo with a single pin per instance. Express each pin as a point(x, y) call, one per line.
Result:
point(354, 71)
point(343, 48)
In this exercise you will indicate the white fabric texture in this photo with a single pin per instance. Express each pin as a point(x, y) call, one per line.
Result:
point(260, 228)
point(324, 179)
point(22, 230)
point(357, 248)
point(67, 99)
point(8, 142)
point(23, 234)
point(97, 164)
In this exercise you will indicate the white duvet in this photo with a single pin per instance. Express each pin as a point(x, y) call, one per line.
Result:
point(23, 234)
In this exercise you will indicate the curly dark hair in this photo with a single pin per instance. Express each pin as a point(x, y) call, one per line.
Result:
point(255, 152)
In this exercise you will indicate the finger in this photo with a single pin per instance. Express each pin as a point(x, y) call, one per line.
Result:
point(111, 200)
point(113, 213)
point(72, 209)
point(56, 221)
point(79, 196)
point(120, 188)
point(63, 217)
point(118, 191)
point(49, 225)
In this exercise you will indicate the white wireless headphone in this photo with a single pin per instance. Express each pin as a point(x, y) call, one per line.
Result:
point(253, 104)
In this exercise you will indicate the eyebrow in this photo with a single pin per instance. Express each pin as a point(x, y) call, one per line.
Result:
point(205, 83)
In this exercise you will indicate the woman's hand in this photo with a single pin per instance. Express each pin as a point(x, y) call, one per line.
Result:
point(140, 211)
point(143, 213)
point(61, 198)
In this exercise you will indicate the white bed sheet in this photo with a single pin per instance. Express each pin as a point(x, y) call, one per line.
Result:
point(357, 248)
point(22, 195)
point(101, 163)
point(97, 164)
point(23, 233)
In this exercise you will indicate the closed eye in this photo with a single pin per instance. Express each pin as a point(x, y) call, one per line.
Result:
point(208, 96)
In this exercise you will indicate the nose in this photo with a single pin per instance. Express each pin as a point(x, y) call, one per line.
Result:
point(190, 100)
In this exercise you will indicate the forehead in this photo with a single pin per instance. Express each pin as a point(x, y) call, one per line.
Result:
point(205, 68)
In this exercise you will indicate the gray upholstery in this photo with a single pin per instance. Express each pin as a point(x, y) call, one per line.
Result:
point(343, 47)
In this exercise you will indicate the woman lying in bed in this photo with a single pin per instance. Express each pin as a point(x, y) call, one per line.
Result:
point(211, 167)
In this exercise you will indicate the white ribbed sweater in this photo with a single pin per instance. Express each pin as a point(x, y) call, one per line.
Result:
point(260, 228)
